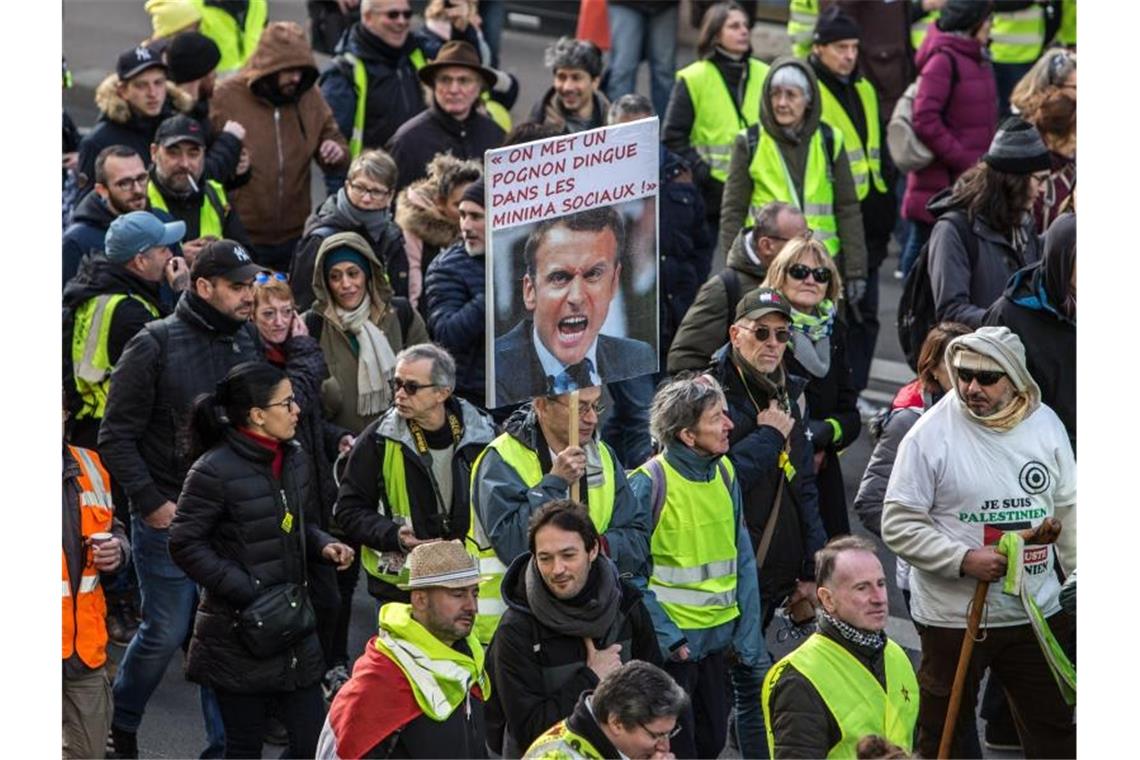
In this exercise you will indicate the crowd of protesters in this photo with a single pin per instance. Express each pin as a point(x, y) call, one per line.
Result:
point(267, 393)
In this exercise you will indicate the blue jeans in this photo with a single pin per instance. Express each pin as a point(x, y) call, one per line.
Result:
point(746, 683)
point(919, 234)
point(634, 37)
point(627, 428)
point(168, 600)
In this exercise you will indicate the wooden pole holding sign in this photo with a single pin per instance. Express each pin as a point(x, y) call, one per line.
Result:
point(573, 440)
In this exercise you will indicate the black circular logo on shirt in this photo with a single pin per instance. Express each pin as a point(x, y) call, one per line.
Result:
point(1034, 478)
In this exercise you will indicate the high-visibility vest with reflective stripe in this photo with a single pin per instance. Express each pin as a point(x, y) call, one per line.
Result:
point(90, 359)
point(852, 694)
point(399, 509)
point(771, 181)
point(525, 463)
point(919, 27)
point(236, 44)
point(210, 217)
point(560, 743)
point(694, 550)
point(1018, 36)
point(866, 166)
point(1067, 32)
point(802, 17)
point(360, 85)
point(84, 631)
point(716, 120)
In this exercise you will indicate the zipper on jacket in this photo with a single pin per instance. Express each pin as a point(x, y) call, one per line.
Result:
point(280, 160)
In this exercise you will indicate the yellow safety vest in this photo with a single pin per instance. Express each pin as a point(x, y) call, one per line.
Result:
point(210, 217)
point(560, 743)
point(90, 361)
point(866, 165)
point(1018, 36)
point(399, 510)
point(525, 463)
point(694, 550)
point(771, 181)
point(919, 27)
point(360, 85)
point(852, 694)
point(84, 631)
point(716, 118)
point(1067, 32)
point(802, 17)
point(236, 44)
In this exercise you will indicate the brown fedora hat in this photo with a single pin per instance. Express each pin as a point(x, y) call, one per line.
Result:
point(457, 53)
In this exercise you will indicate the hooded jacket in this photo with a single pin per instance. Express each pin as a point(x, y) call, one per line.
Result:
point(118, 124)
point(434, 131)
point(327, 220)
point(955, 114)
point(539, 671)
point(282, 137)
point(454, 301)
point(339, 391)
point(86, 232)
point(427, 230)
point(1034, 307)
point(794, 150)
point(704, 328)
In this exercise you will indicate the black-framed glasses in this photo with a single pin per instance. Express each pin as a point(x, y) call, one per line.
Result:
point(822, 275)
point(584, 408)
point(126, 183)
point(661, 736)
point(285, 402)
point(762, 333)
point(394, 14)
point(370, 192)
point(263, 277)
point(985, 379)
point(410, 387)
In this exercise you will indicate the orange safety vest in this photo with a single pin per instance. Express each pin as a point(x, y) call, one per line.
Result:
point(84, 630)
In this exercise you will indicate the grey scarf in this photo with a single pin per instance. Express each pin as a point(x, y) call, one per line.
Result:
point(596, 619)
point(373, 221)
point(874, 640)
point(815, 357)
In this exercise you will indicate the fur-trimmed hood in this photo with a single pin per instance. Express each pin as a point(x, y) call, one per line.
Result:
point(417, 213)
point(115, 108)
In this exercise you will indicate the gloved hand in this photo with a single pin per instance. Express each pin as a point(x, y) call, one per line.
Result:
point(855, 289)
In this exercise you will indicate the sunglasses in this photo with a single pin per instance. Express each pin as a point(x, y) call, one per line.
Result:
point(263, 277)
point(985, 379)
point(393, 15)
point(822, 275)
point(783, 335)
point(410, 387)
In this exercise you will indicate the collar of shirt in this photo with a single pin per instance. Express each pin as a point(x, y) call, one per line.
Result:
point(553, 367)
point(590, 707)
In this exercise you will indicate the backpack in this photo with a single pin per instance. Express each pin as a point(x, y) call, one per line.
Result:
point(916, 312)
point(907, 151)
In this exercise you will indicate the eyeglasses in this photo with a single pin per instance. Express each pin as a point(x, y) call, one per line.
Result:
point(410, 387)
point(393, 15)
point(289, 402)
point(1040, 177)
point(370, 192)
point(128, 182)
point(762, 332)
point(985, 379)
point(822, 275)
point(583, 408)
point(263, 277)
point(661, 736)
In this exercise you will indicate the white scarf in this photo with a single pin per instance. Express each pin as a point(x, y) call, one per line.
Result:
point(375, 361)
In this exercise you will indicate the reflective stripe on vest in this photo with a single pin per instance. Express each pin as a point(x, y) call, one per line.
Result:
point(919, 27)
point(802, 17)
point(84, 631)
point(694, 551)
point(236, 44)
point(771, 181)
point(210, 217)
point(852, 694)
point(90, 359)
point(560, 743)
point(360, 85)
point(716, 120)
point(399, 511)
point(1018, 36)
point(865, 167)
point(526, 465)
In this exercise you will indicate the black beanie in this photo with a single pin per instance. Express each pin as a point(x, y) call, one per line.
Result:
point(833, 25)
point(962, 15)
point(191, 56)
point(1017, 148)
point(474, 193)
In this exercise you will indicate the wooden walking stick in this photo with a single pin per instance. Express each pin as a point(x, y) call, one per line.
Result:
point(1045, 533)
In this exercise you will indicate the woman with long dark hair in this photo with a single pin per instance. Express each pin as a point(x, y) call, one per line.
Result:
point(245, 529)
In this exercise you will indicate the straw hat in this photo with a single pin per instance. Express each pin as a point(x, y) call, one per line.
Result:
point(441, 564)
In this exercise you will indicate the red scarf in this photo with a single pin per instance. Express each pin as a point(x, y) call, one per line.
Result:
point(272, 444)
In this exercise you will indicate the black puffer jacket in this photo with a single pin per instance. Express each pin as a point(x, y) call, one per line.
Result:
point(227, 536)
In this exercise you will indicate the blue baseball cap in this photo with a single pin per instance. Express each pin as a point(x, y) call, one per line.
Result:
point(137, 231)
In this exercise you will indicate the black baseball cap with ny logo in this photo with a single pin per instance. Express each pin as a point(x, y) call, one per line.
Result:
point(137, 60)
point(225, 258)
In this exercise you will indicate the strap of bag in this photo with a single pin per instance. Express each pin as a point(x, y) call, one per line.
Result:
point(770, 524)
point(656, 488)
point(731, 280)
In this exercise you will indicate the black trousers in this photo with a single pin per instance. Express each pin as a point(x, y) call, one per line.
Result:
point(244, 715)
point(704, 726)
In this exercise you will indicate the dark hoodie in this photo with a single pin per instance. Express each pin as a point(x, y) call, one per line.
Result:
point(85, 234)
point(1039, 307)
point(283, 134)
point(794, 149)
